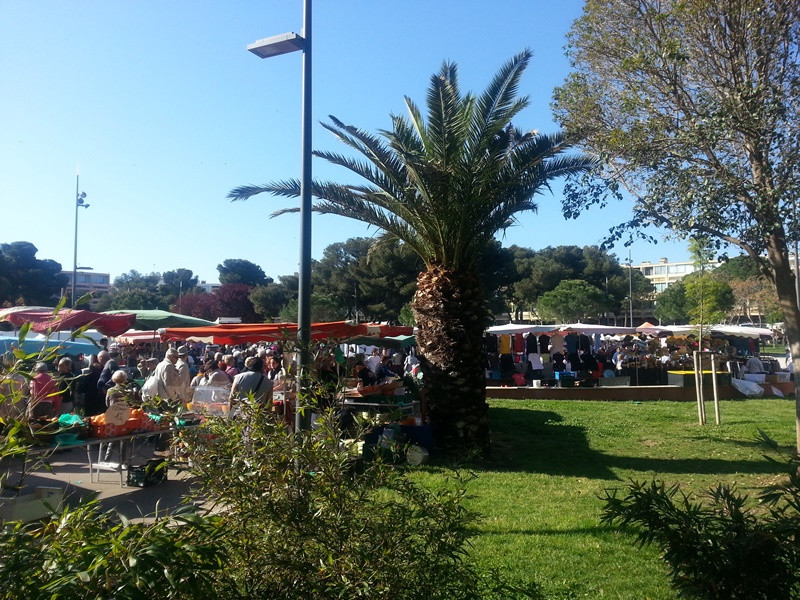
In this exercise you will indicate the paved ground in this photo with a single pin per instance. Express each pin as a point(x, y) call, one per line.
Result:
point(70, 471)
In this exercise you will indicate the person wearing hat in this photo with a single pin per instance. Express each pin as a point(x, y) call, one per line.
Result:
point(184, 372)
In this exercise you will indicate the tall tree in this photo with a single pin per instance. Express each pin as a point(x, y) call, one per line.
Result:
point(373, 280)
point(738, 267)
point(134, 290)
point(269, 300)
point(708, 298)
point(324, 308)
point(542, 271)
point(201, 305)
point(445, 185)
point(387, 280)
point(133, 279)
point(671, 305)
point(335, 275)
point(134, 299)
point(755, 300)
point(175, 284)
point(239, 270)
point(233, 301)
point(518, 296)
point(573, 300)
point(25, 279)
point(754, 295)
point(693, 106)
point(498, 273)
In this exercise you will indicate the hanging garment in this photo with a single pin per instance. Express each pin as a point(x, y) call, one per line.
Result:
point(544, 343)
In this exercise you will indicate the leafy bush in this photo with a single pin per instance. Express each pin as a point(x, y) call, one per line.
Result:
point(87, 553)
point(84, 552)
point(721, 548)
point(290, 516)
point(303, 517)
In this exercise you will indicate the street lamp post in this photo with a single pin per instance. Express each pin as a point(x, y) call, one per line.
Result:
point(630, 286)
point(79, 203)
point(267, 48)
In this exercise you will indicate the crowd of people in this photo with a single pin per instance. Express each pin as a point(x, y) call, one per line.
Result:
point(90, 385)
point(382, 365)
point(597, 356)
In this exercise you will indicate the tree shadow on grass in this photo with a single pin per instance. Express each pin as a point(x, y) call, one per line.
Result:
point(599, 531)
point(536, 441)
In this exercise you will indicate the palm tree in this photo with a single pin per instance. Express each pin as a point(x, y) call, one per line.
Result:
point(445, 186)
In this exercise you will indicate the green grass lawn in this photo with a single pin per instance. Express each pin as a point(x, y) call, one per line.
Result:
point(538, 493)
point(773, 350)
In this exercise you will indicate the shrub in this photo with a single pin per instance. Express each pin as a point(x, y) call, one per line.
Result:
point(720, 548)
point(303, 517)
point(87, 553)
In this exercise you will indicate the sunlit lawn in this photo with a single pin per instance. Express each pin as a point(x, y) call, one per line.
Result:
point(538, 494)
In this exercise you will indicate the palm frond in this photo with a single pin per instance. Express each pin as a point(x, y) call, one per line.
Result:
point(498, 105)
point(446, 127)
point(446, 181)
point(417, 123)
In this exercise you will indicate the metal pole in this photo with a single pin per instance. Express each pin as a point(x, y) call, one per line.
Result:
point(75, 252)
point(630, 285)
point(796, 271)
point(717, 415)
point(304, 288)
point(698, 382)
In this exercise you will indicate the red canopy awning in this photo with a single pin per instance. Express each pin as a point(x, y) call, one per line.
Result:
point(262, 332)
point(45, 320)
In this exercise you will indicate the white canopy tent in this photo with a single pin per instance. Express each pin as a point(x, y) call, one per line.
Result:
point(515, 328)
point(601, 329)
point(734, 330)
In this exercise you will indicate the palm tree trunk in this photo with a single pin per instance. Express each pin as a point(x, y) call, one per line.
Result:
point(450, 310)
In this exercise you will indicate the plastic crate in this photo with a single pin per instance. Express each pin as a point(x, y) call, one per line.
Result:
point(151, 473)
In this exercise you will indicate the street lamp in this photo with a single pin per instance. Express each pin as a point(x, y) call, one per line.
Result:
point(630, 286)
point(267, 48)
point(79, 203)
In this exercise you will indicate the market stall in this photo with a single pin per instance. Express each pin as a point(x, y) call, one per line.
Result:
point(45, 320)
point(241, 333)
point(33, 344)
point(157, 319)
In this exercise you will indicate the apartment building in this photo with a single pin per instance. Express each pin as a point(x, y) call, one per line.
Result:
point(664, 273)
point(87, 281)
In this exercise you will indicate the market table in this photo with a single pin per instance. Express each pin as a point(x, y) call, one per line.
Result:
point(102, 445)
point(366, 404)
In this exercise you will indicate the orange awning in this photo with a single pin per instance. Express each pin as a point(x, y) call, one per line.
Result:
point(242, 333)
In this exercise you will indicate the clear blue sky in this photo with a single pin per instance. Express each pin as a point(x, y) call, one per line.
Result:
point(163, 111)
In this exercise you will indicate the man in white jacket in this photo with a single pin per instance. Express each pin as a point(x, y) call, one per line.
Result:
point(170, 385)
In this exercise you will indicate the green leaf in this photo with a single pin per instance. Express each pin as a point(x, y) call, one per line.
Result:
point(23, 332)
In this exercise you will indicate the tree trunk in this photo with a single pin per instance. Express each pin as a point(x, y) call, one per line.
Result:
point(778, 256)
point(450, 309)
